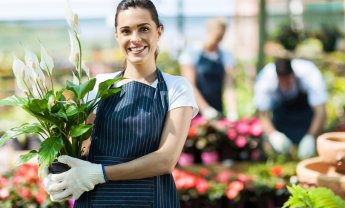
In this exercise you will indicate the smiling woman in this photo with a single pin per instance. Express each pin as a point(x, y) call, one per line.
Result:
point(139, 133)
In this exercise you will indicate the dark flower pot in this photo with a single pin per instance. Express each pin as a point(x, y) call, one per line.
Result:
point(57, 167)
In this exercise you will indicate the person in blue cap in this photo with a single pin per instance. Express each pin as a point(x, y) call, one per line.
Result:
point(290, 96)
point(138, 133)
point(210, 70)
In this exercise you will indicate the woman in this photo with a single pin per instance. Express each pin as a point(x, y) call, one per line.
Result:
point(139, 133)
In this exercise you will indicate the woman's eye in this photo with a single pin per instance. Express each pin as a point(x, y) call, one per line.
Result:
point(144, 29)
point(125, 32)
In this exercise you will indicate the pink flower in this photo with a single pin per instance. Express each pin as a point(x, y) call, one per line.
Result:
point(224, 176)
point(241, 141)
point(243, 127)
point(256, 129)
point(71, 203)
point(226, 123)
point(236, 185)
point(255, 155)
point(201, 185)
point(4, 193)
point(232, 134)
point(186, 159)
point(199, 121)
point(209, 157)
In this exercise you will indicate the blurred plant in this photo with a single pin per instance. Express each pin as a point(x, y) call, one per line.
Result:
point(287, 35)
point(61, 114)
point(328, 35)
point(21, 188)
point(314, 197)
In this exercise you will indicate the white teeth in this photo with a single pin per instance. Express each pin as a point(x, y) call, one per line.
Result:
point(137, 49)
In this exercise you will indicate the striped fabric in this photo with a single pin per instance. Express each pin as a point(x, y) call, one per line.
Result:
point(129, 125)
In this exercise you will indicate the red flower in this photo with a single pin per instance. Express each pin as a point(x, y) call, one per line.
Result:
point(279, 185)
point(233, 189)
point(231, 194)
point(25, 193)
point(276, 171)
point(204, 172)
point(192, 132)
point(201, 185)
point(41, 196)
point(224, 176)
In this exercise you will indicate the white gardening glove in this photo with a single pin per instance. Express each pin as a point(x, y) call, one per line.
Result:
point(83, 176)
point(280, 142)
point(210, 113)
point(306, 147)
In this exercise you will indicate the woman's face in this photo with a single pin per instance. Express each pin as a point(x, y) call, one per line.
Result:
point(137, 35)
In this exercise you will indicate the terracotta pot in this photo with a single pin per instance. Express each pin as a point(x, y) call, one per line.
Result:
point(315, 172)
point(331, 147)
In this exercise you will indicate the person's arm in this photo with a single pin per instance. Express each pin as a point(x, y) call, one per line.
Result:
point(318, 121)
point(188, 71)
point(163, 160)
point(266, 122)
point(230, 94)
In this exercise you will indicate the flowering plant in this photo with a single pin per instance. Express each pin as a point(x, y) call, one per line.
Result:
point(61, 113)
point(210, 142)
point(21, 188)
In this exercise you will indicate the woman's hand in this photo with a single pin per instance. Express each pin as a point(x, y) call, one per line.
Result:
point(83, 176)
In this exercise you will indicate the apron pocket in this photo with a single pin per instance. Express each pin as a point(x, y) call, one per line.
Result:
point(127, 193)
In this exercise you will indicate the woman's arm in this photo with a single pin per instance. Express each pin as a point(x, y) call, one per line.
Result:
point(163, 160)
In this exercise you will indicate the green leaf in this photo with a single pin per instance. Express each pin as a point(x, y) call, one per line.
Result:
point(49, 150)
point(81, 90)
point(13, 101)
point(72, 110)
point(38, 105)
point(104, 91)
point(28, 156)
point(80, 129)
point(23, 129)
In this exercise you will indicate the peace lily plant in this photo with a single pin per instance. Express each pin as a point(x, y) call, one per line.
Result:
point(61, 114)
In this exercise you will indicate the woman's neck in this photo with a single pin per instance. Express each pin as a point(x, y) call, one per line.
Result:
point(145, 74)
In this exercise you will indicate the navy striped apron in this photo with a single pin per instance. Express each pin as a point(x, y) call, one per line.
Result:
point(128, 125)
point(209, 80)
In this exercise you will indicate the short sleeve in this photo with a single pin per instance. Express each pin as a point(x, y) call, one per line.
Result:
point(228, 59)
point(264, 88)
point(180, 93)
point(311, 80)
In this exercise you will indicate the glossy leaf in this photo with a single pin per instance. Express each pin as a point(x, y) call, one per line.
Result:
point(23, 129)
point(81, 90)
point(25, 158)
point(49, 150)
point(80, 129)
point(13, 101)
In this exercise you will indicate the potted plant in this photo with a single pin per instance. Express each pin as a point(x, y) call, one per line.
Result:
point(287, 35)
point(328, 35)
point(61, 113)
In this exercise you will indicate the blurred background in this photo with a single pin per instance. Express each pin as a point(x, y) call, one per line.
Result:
point(258, 29)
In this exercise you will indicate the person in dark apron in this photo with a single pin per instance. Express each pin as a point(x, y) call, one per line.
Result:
point(137, 138)
point(210, 72)
point(294, 120)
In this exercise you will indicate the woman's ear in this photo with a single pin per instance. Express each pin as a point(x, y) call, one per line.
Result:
point(160, 31)
point(116, 37)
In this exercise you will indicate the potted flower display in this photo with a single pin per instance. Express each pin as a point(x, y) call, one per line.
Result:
point(61, 114)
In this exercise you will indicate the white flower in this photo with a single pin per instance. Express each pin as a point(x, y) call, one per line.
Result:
point(47, 62)
point(75, 79)
point(86, 69)
point(72, 19)
point(74, 55)
point(19, 71)
point(36, 73)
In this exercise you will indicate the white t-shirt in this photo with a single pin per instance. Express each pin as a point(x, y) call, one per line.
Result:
point(311, 82)
point(191, 56)
point(180, 91)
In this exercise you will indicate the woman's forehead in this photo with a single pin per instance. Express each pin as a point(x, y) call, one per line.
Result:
point(133, 17)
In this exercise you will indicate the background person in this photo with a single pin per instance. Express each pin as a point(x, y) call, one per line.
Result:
point(139, 132)
point(290, 96)
point(210, 69)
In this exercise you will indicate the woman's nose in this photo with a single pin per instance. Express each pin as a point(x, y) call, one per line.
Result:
point(135, 38)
